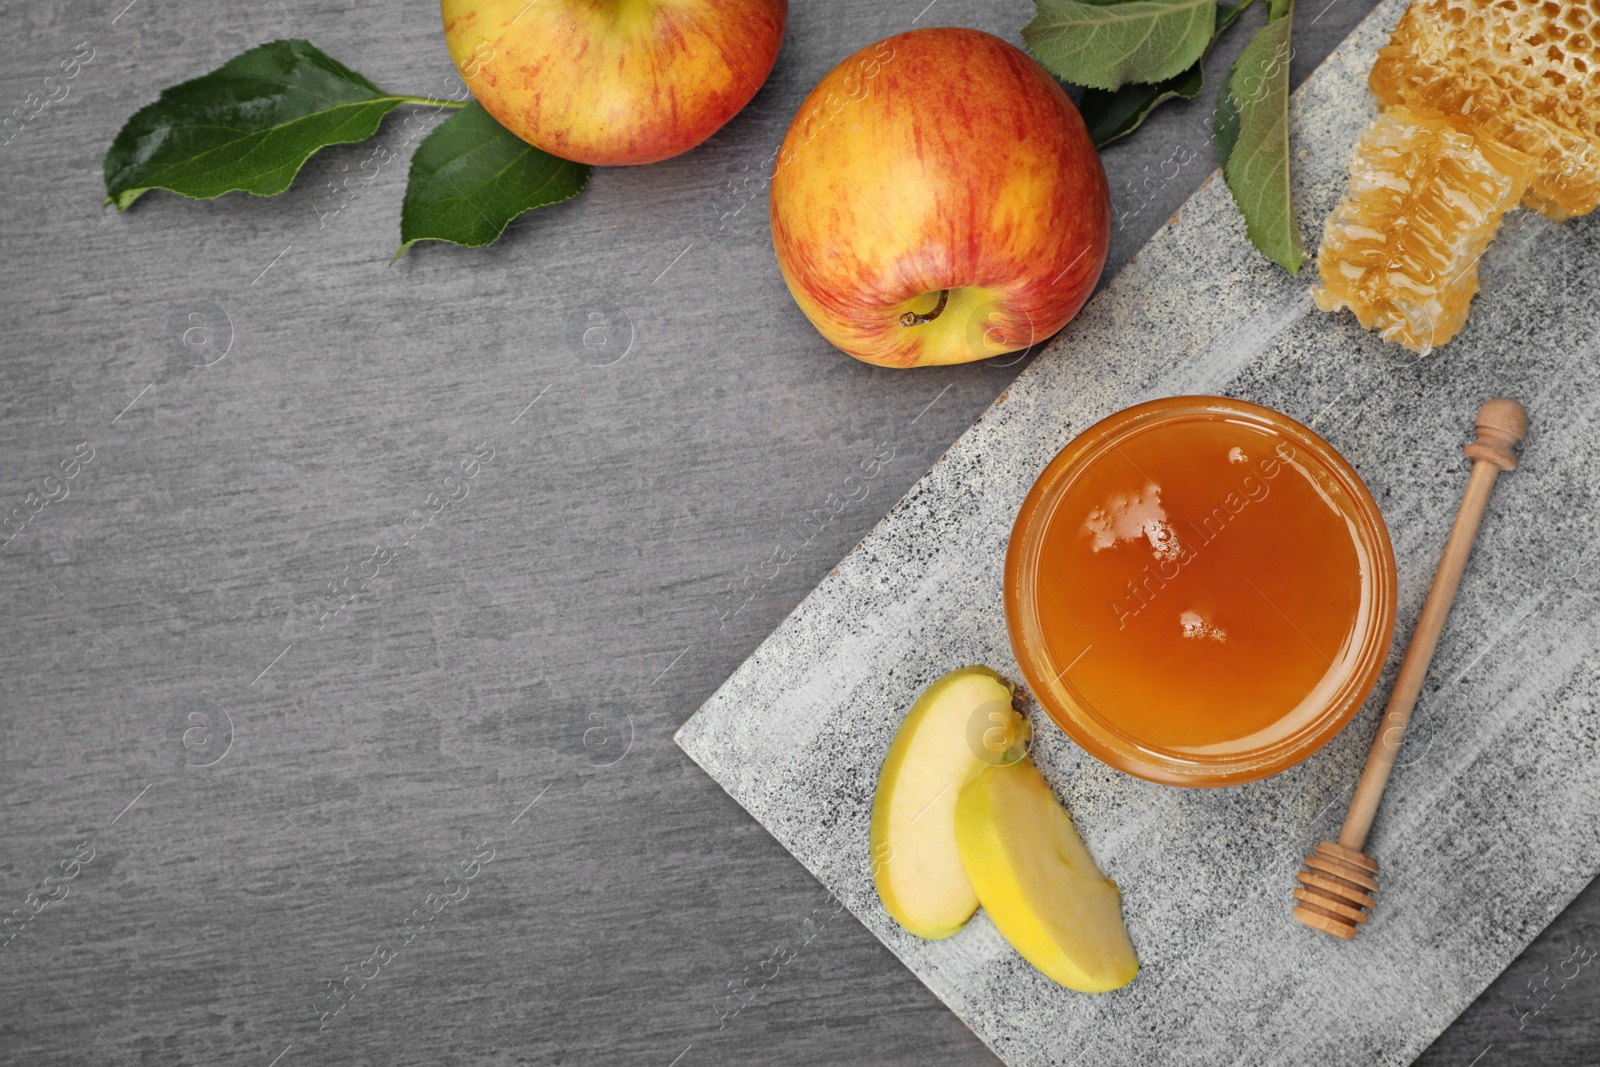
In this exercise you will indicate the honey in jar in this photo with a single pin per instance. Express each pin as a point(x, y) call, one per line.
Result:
point(1200, 591)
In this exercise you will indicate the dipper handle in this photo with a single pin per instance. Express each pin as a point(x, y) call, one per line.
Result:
point(1501, 424)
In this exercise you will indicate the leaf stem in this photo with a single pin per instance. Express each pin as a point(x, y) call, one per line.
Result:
point(424, 101)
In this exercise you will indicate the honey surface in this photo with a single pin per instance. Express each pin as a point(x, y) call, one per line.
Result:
point(1201, 588)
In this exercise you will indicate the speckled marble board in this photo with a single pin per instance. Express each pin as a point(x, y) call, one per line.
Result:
point(1489, 825)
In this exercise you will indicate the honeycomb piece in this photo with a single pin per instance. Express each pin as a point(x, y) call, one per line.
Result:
point(1402, 250)
point(1525, 73)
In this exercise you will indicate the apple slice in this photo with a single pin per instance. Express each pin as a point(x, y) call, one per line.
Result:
point(960, 726)
point(1039, 884)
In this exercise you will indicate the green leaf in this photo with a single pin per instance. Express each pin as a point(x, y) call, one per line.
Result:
point(1117, 114)
point(1113, 115)
point(1252, 138)
point(1104, 44)
point(248, 125)
point(472, 176)
point(1227, 15)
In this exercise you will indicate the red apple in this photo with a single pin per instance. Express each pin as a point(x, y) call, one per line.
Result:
point(938, 200)
point(614, 81)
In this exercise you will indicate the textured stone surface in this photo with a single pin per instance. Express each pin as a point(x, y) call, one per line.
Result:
point(1487, 830)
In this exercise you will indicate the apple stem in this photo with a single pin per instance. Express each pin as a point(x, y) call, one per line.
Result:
point(911, 318)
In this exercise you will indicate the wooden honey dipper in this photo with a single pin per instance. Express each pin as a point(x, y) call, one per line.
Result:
point(1338, 883)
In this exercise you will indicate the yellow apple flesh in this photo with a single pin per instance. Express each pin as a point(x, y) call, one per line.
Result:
point(960, 726)
point(937, 199)
point(1039, 884)
point(614, 82)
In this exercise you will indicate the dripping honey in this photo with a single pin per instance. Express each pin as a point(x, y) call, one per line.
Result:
point(1200, 591)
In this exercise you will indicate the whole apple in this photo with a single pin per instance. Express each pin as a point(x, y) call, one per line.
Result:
point(938, 200)
point(614, 82)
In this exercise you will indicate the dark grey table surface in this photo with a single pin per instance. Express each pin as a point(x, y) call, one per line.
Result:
point(260, 796)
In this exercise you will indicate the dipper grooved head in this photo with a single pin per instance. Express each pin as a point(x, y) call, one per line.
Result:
point(1336, 890)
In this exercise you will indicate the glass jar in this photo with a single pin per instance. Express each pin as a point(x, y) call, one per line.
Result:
point(1200, 591)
